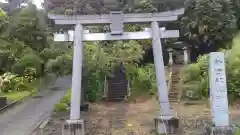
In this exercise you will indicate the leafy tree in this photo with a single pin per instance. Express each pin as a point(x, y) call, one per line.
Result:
point(236, 4)
point(71, 7)
point(28, 60)
point(10, 52)
point(208, 25)
point(27, 21)
point(140, 6)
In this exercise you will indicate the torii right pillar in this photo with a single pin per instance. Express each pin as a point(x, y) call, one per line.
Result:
point(165, 122)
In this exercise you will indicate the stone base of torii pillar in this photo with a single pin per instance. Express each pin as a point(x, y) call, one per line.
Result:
point(169, 125)
point(73, 127)
point(210, 129)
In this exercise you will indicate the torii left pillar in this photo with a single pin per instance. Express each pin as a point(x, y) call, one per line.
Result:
point(75, 126)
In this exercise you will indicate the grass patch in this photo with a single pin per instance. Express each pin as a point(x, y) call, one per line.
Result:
point(63, 105)
point(60, 107)
point(16, 95)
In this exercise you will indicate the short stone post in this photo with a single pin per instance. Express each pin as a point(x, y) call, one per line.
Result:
point(185, 55)
point(170, 53)
point(105, 92)
point(3, 102)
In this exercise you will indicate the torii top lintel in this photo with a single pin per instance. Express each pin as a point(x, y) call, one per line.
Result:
point(106, 18)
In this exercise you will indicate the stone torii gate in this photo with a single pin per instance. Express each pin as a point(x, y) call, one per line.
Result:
point(116, 19)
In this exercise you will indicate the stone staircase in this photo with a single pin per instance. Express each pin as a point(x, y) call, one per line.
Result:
point(117, 90)
point(174, 90)
point(117, 117)
point(117, 85)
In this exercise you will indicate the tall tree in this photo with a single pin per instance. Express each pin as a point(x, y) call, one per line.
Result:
point(208, 25)
point(27, 25)
point(236, 4)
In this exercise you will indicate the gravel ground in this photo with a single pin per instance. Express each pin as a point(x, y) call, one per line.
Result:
point(138, 118)
point(22, 119)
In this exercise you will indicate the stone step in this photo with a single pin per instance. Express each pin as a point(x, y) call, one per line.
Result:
point(117, 121)
point(174, 87)
point(119, 91)
point(116, 88)
point(175, 80)
point(173, 96)
point(118, 84)
point(173, 93)
point(174, 101)
point(115, 99)
point(173, 83)
point(174, 77)
point(117, 95)
point(117, 81)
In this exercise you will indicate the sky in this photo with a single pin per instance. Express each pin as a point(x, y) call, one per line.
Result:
point(36, 2)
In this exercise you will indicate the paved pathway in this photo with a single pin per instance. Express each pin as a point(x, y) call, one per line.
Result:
point(22, 119)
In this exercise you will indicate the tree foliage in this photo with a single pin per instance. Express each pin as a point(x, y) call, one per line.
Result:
point(29, 22)
point(208, 25)
point(236, 4)
point(27, 44)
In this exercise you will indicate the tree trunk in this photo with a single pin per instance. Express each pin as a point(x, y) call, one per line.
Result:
point(238, 23)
